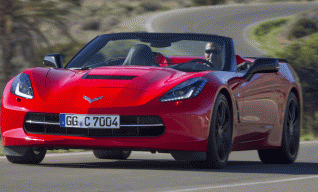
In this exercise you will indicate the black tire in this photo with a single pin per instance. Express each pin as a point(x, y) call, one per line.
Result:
point(111, 154)
point(32, 156)
point(220, 136)
point(288, 151)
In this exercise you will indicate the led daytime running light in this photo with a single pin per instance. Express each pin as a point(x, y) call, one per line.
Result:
point(17, 91)
point(21, 86)
point(191, 88)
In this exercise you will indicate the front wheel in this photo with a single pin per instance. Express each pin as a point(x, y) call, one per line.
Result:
point(288, 151)
point(111, 154)
point(33, 155)
point(220, 137)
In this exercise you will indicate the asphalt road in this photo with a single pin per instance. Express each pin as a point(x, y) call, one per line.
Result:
point(159, 172)
point(144, 171)
point(231, 21)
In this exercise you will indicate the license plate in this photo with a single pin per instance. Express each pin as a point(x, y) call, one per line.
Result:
point(90, 121)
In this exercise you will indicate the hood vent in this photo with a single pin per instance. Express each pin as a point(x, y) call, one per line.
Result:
point(110, 77)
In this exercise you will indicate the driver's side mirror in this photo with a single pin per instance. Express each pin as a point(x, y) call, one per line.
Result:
point(53, 60)
point(262, 65)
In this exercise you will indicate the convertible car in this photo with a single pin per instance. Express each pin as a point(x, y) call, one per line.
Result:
point(154, 92)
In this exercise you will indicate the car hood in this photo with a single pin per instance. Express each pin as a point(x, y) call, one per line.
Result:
point(116, 86)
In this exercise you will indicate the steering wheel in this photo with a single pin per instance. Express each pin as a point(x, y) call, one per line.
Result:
point(202, 61)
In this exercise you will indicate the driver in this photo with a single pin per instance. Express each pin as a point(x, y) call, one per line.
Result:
point(213, 54)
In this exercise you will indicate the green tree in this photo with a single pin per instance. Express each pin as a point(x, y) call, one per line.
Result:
point(19, 26)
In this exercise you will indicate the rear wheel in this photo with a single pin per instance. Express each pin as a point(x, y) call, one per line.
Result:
point(288, 151)
point(33, 155)
point(111, 154)
point(220, 137)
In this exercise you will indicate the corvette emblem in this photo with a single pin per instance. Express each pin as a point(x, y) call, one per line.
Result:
point(92, 100)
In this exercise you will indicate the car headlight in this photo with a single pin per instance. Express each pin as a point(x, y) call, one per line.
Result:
point(21, 86)
point(188, 89)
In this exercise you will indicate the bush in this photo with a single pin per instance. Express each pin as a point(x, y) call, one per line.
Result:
point(310, 125)
point(109, 23)
point(127, 7)
point(303, 56)
point(183, 4)
point(239, 1)
point(91, 25)
point(74, 2)
point(207, 2)
point(150, 6)
point(302, 28)
point(266, 27)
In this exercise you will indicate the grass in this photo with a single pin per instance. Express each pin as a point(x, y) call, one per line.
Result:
point(267, 42)
point(308, 137)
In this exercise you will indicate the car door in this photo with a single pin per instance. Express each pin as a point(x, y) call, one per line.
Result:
point(257, 102)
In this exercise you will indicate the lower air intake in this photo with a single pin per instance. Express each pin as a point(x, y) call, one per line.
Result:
point(130, 126)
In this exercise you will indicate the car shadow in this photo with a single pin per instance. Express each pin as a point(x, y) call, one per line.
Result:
point(298, 168)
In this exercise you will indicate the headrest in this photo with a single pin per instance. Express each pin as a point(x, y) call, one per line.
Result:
point(140, 54)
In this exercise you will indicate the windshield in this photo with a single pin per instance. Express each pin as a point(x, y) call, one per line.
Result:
point(158, 52)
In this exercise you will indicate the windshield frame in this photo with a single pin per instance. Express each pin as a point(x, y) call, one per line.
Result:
point(100, 41)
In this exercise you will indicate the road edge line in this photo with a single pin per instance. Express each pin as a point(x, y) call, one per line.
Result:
point(245, 184)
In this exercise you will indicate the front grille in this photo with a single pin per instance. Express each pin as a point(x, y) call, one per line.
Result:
point(130, 126)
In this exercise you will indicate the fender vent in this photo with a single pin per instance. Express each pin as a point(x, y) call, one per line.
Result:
point(110, 77)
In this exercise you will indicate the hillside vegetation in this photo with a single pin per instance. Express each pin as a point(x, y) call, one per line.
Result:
point(297, 39)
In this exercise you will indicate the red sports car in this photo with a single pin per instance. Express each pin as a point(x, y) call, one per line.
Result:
point(184, 94)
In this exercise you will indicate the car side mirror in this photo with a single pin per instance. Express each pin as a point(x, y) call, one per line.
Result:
point(53, 60)
point(262, 65)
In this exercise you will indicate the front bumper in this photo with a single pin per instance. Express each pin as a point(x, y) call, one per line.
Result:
point(186, 129)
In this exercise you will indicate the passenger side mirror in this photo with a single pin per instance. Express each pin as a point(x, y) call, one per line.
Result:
point(53, 60)
point(262, 65)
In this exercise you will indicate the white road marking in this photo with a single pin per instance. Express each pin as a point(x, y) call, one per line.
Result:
point(68, 154)
point(207, 187)
point(244, 184)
